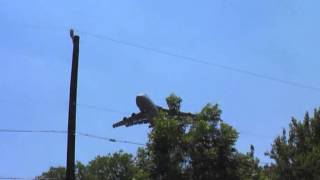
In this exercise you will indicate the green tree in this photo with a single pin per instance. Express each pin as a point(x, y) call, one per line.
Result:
point(248, 166)
point(164, 149)
point(297, 153)
point(143, 164)
point(198, 147)
point(112, 167)
point(58, 173)
point(116, 166)
point(211, 146)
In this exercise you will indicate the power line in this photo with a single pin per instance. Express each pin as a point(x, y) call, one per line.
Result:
point(27, 178)
point(107, 109)
point(87, 106)
point(204, 62)
point(11, 178)
point(185, 58)
point(32, 131)
point(100, 108)
point(77, 133)
point(109, 139)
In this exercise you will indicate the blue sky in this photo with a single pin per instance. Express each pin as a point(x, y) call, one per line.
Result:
point(273, 38)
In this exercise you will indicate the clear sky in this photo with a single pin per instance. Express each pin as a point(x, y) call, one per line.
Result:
point(271, 37)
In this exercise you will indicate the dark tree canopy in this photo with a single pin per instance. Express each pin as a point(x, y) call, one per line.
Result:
point(203, 148)
point(297, 153)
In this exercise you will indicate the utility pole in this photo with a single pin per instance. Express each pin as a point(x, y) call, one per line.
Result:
point(72, 108)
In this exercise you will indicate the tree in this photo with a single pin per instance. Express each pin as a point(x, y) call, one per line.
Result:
point(164, 148)
point(211, 146)
point(198, 147)
point(143, 165)
point(297, 153)
point(58, 173)
point(112, 167)
point(248, 167)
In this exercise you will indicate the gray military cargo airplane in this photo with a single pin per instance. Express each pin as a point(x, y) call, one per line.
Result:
point(148, 111)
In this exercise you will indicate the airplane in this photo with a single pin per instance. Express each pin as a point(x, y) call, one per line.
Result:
point(148, 111)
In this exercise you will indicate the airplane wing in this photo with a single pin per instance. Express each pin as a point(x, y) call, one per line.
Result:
point(182, 114)
point(139, 118)
point(187, 114)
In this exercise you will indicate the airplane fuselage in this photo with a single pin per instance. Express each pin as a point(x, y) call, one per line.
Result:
point(145, 105)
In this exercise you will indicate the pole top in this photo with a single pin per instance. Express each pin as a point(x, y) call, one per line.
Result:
point(72, 35)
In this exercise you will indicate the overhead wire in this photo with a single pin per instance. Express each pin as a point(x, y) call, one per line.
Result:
point(100, 108)
point(10, 178)
point(32, 131)
point(111, 110)
point(204, 62)
point(77, 133)
point(183, 57)
point(107, 109)
point(27, 178)
point(246, 133)
point(109, 139)
point(178, 56)
point(82, 105)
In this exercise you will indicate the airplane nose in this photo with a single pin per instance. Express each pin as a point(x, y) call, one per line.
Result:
point(139, 98)
point(141, 95)
point(140, 101)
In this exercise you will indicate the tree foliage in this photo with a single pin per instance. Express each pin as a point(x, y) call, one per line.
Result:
point(116, 166)
point(200, 147)
point(203, 148)
point(297, 153)
point(58, 173)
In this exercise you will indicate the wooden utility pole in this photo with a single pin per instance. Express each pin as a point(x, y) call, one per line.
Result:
point(72, 108)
